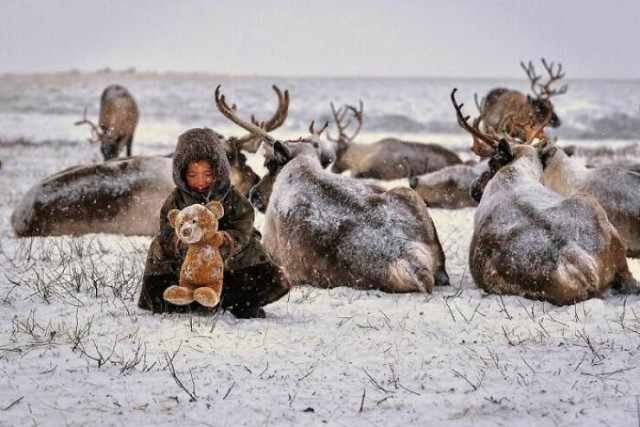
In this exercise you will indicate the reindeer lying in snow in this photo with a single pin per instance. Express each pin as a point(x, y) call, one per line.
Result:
point(529, 240)
point(328, 230)
point(448, 188)
point(389, 158)
point(113, 197)
point(616, 189)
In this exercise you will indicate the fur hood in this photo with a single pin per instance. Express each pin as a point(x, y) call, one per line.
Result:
point(202, 144)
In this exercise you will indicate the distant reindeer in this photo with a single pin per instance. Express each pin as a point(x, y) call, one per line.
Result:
point(517, 114)
point(615, 188)
point(328, 230)
point(119, 197)
point(117, 123)
point(529, 240)
point(389, 158)
point(448, 188)
point(242, 175)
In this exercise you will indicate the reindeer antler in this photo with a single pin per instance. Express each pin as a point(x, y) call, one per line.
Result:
point(483, 146)
point(543, 90)
point(319, 131)
point(230, 114)
point(96, 134)
point(248, 142)
point(339, 116)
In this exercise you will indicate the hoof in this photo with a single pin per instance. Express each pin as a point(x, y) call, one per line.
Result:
point(206, 296)
point(177, 295)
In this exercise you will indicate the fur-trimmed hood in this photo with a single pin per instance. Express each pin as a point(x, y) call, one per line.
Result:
point(202, 144)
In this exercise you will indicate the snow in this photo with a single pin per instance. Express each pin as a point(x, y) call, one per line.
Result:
point(75, 349)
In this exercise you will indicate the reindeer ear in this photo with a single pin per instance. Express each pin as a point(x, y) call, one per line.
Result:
point(216, 208)
point(570, 150)
point(172, 215)
point(505, 151)
point(281, 153)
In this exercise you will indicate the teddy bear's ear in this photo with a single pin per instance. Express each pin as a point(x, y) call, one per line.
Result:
point(216, 208)
point(172, 215)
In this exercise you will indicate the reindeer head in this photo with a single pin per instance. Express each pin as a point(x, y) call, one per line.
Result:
point(541, 104)
point(343, 140)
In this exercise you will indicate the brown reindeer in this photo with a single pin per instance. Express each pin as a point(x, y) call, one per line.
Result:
point(329, 230)
point(529, 240)
point(389, 158)
point(615, 188)
point(117, 123)
point(517, 114)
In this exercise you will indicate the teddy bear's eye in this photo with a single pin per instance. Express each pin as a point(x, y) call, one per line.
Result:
point(193, 221)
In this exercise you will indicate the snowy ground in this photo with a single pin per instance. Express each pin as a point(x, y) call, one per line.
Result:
point(75, 349)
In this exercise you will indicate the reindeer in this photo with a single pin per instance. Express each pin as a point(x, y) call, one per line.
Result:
point(387, 159)
point(242, 176)
point(449, 187)
point(117, 123)
point(328, 230)
point(529, 240)
point(615, 188)
point(517, 114)
point(113, 197)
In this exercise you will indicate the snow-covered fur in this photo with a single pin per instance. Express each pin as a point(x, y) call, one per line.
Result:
point(617, 189)
point(328, 230)
point(114, 197)
point(529, 240)
point(448, 188)
point(201, 273)
point(118, 121)
point(391, 158)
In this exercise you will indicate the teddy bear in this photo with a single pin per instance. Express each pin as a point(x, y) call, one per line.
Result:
point(202, 269)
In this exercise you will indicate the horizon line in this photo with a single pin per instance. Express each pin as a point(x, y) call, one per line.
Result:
point(135, 72)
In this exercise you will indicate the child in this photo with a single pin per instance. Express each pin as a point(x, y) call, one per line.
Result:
point(201, 174)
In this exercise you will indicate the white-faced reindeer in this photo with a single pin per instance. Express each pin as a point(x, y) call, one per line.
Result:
point(615, 188)
point(519, 115)
point(242, 176)
point(529, 240)
point(329, 230)
point(389, 158)
point(117, 123)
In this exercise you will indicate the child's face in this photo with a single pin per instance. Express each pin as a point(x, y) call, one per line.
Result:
point(199, 176)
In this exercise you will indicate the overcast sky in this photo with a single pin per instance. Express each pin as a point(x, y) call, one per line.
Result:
point(441, 38)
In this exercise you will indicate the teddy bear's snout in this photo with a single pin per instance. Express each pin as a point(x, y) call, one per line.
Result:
point(186, 232)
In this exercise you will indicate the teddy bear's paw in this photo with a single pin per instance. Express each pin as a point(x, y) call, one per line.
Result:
point(206, 296)
point(177, 295)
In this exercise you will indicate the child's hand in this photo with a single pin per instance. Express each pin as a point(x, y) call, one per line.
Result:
point(226, 249)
